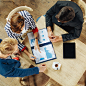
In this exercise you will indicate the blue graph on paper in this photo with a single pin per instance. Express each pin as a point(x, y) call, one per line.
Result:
point(46, 48)
point(41, 58)
point(33, 41)
point(49, 55)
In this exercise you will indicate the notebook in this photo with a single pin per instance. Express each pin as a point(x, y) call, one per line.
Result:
point(46, 47)
point(69, 51)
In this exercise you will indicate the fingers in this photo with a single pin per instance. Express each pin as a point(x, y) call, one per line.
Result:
point(43, 64)
point(39, 50)
point(52, 40)
point(52, 37)
point(34, 57)
point(42, 67)
point(55, 39)
point(35, 47)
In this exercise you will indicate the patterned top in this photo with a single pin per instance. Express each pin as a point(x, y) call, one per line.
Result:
point(29, 22)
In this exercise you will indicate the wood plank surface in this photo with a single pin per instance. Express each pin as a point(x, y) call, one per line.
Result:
point(40, 7)
point(71, 69)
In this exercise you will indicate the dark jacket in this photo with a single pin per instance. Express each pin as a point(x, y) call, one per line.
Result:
point(73, 27)
point(10, 68)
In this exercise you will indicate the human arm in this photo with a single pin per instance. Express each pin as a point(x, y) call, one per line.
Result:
point(35, 32)
point(31, 24)
point(42, 67)
point(76, 23)
point(50, 33)
point(57, 39)
point(31, 56)
point(18, 72)
point(73, 34)
point(20, 45)
point(13, 35)
point(49, 23)
point(49, 15)
point(36, 41)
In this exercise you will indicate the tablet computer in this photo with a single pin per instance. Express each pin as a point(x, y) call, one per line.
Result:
point(69, 51)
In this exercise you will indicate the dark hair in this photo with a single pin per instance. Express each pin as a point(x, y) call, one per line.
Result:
point(16, 22)
point(66, 14)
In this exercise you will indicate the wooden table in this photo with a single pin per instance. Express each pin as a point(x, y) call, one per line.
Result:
point(71, 69)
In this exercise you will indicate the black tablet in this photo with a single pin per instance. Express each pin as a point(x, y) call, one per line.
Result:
point(69, 51)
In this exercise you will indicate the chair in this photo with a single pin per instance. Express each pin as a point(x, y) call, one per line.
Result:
point(18, 9)
point(82, 5)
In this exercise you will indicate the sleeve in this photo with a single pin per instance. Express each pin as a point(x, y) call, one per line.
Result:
point(29, 20)
point(10, 34)
point(35, 30)
point(73, 34)
point(49, 15)
point(18, 72)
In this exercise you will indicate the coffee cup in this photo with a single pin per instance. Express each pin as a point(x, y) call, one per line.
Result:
point(56, 65)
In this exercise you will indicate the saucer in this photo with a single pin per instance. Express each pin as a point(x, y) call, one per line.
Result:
point(56, 65)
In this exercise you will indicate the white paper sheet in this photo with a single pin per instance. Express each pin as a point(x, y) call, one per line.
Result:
point(43, 37)
point(47, 51)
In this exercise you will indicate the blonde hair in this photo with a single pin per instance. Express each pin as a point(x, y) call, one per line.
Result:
point(7, 45)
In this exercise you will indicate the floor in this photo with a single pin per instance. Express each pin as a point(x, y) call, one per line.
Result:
point(40, 7)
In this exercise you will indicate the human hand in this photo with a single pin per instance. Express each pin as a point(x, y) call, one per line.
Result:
point(17, 52)
point(32, 57)
point(42, 67)
point(56, 39)
point(37, 45)
point(51, 35)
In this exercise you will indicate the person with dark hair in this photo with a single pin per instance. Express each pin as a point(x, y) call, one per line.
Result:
point(17, 25)
point(68, 16)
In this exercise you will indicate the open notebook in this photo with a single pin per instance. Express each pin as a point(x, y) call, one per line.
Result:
point(46, 47)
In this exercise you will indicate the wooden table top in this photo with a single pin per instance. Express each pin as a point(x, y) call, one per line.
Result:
point(71, 69)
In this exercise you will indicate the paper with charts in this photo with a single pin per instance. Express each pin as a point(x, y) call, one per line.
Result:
point(46, 47)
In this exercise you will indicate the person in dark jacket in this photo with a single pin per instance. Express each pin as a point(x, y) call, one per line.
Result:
point(10, 67)
point(68, 16)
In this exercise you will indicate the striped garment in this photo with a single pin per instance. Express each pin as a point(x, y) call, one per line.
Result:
point(29, 23)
